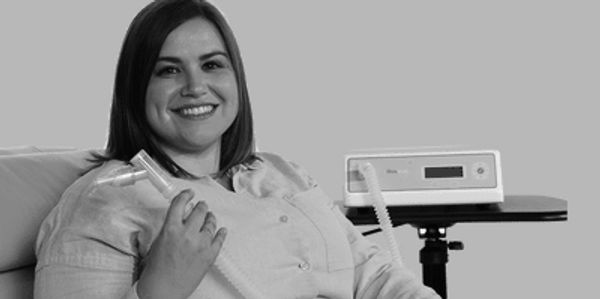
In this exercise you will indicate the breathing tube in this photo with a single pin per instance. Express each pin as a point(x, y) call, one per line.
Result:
point(144, 167)
point(368, 172)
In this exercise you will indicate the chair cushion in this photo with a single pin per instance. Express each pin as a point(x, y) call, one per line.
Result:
point(17, 284)
point(30, 186)
point(30, 149)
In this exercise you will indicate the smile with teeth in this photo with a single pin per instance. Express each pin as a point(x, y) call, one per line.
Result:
point(196, 111)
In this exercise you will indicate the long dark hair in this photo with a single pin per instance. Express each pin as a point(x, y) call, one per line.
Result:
point(129, 130)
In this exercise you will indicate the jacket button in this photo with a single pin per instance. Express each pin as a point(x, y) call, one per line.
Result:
point(304, 266)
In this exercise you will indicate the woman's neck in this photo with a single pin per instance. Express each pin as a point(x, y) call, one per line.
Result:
point(199, 163)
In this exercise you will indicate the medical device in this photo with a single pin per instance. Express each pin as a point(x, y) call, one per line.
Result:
point(383, 217)
point(426, 177)
point(143, 167)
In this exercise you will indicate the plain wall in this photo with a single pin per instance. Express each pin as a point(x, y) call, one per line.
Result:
point(328, 77)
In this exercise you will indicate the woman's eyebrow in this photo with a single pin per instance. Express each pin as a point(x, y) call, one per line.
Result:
point(212, 54)
point(206, 56)
point(168, 59)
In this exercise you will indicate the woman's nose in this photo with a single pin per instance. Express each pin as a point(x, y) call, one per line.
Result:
point(195, 86)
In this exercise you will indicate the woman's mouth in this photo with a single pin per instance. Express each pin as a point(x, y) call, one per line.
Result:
point(196, 112)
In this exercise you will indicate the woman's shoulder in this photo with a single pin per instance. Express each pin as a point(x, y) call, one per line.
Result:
point(275, 161)
point(87, 204)
point(89, 213)
point(287, 168)
point(85, 192)
point(89, 178)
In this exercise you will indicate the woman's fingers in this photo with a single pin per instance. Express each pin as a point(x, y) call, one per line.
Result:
point(217, 242)
point(195, 219)
point(177, 208)
point(210, 224)
point(199, 221)
point(219, 238)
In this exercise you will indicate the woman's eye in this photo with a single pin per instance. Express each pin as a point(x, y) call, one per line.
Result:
point(167, 71)
point(212, 65)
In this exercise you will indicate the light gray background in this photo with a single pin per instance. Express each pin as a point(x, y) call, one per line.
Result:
point(327, 77)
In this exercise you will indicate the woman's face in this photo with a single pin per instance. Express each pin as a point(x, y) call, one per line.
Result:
point(192, 95)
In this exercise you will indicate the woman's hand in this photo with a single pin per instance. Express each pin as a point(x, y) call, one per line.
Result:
point(183, 251)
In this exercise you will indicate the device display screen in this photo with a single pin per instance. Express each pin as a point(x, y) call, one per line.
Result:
point(443, 172)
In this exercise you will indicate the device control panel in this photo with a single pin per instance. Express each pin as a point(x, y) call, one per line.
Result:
point(436, 178)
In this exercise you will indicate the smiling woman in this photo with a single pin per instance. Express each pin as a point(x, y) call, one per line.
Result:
point(326, 77)
point(192, 96)
point(180, 95)
point(174, 58)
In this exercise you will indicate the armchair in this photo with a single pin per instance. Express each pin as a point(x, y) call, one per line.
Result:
point(32, 181)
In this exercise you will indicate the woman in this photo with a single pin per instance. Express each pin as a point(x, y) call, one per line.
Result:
point(180, 95)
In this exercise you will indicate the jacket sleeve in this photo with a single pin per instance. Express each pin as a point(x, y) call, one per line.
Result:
point(87, 248)
point(65, 281)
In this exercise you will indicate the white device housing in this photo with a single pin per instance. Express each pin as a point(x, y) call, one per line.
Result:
point(410, 178)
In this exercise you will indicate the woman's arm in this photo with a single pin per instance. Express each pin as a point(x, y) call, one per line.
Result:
point(64, 281)
point(87, 246)
point(94, 243)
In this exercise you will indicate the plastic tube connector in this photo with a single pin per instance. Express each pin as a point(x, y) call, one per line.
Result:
point(383, 217)
point(125, 179)
point(155, 173)
point(144, 167)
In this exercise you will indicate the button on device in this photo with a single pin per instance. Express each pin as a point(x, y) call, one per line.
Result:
point(283, 219)
point(480, 170)
point(305, 266)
